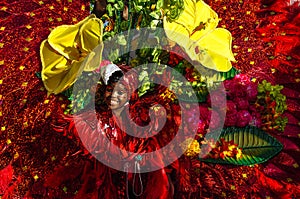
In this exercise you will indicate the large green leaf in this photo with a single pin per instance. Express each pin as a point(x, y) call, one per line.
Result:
point(257, 146)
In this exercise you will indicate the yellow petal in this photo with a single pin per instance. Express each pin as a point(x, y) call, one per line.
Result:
point(195, 31)
point(214, 50)
point(207, 16)
point(195, 16)
point(68, 78)
point(91, 39)
point(177, 33)
point(64, 39)
point(66, 53)
point(53, 66)
point(58, 74)
point(90, 34)
point(187, 17)
point(93, 60)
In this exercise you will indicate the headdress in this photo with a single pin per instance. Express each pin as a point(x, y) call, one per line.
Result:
point(108, 71)
point(129, 79)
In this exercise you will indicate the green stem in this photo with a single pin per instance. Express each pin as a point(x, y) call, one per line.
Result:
point(129, 35)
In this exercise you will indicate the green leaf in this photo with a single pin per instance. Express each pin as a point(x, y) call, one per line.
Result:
point(121, 40)
point(109, 9)
point(137, 8)
point(114, 54)
point(159, 4)
point(257, 146)
point(221, 76)
point(119, 5)
point(155, 15)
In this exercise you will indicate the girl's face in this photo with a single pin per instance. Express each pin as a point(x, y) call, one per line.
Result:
point(116, 96)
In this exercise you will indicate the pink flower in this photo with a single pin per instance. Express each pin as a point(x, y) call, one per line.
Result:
point(229, 86)
point(256, 108)
point(230, 119)
point(242, 103)
point(240, 86)
point(251, 90)
point(231, 107)
point(256, 120)
point(242, 79)
point(240, 90)
point(243, 118)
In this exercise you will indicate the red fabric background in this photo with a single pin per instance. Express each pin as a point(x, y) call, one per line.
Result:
point(37, 162)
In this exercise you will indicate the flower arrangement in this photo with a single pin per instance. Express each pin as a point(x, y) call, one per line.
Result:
point(201, 53)
point(224, 149)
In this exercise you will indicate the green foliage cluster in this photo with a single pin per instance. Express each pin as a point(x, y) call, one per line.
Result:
point(274, 103)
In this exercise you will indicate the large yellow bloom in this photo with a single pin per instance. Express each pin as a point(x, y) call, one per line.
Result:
point(195, 30)
point(68, 51)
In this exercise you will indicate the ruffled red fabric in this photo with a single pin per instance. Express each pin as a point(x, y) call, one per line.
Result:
point(92, 134)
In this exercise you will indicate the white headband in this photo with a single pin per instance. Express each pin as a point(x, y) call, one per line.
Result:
point(107, 72)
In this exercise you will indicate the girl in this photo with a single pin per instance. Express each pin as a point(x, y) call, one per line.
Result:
point(105, 134)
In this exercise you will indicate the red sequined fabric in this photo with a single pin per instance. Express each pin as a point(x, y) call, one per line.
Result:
point(38, 162)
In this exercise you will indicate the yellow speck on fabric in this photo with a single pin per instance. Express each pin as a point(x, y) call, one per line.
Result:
point(4, 8)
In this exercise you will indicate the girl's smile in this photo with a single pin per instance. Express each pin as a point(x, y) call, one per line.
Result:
point(116, 97)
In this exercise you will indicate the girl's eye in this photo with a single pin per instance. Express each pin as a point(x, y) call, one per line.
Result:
point(121, 92)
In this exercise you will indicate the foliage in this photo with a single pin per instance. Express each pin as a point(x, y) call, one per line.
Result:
point(273, 104)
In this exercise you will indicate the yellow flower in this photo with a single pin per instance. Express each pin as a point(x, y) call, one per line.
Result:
point(167, 94)
point(196, 31)
point(191, 146)
point(68, 51)
point(239, 153)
